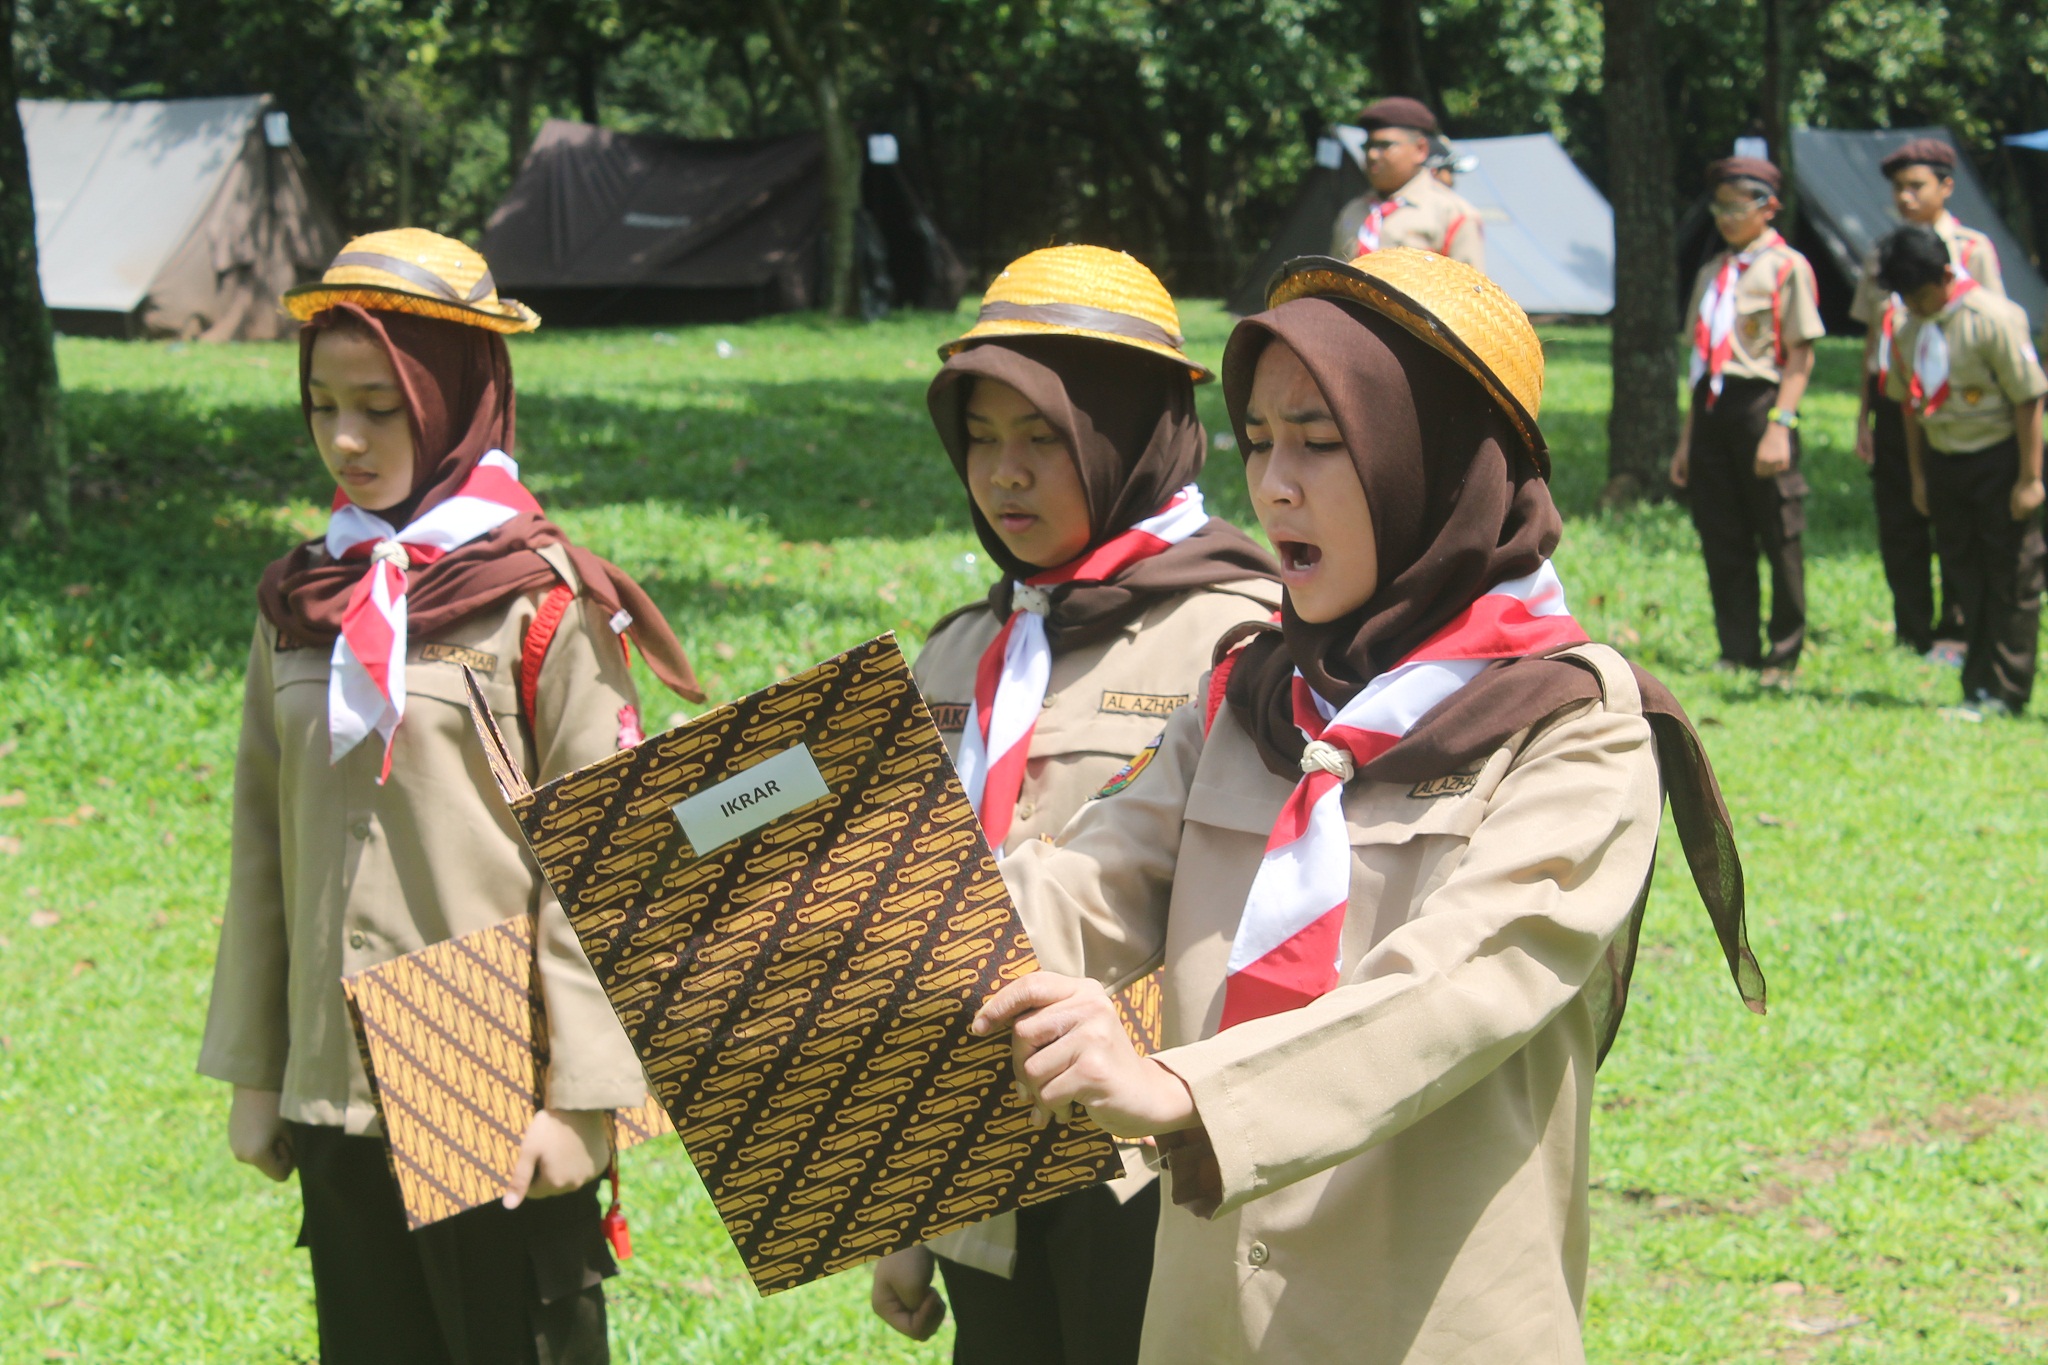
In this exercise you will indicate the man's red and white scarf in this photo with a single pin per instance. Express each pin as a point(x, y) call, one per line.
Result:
point(1368, 239)
point(1010, 681)
point(1894, 314)
point(1713, 331)
point(1929, 387)
point(1289, 944)
point(366, 677)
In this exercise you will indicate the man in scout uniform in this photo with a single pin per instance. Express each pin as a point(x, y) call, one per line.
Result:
point(1922, 173)
point(1408, 205)
point(1971, 385)
point(1754, 317)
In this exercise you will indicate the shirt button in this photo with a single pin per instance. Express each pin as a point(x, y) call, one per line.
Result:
point(361, 829)
point(1026, 809)
point(1052, 699)
point(356, 939)
point(1258, 1255)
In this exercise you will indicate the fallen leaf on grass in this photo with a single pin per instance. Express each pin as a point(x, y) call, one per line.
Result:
point(159, 920)
point(1626, 637)
point(38, 1267)
point(1787, 1288)
point(83, 965)
point(60, 1355)
point(73, 820)
point(9, 747)
point(1774, 821)
point(9, 846)
point(9, 800)
point(43, 919)
point(168, 839)
point(53, 1303)
point(723, 650)
point(104, 781)
point(1820, 1327)
point(2012, 1297)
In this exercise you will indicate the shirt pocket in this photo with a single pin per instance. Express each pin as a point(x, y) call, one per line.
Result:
point(1406, 841)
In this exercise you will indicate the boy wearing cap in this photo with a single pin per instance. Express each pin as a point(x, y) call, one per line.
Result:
point(1408, 205)
point(1971, 385)
point(1922, 175)
point(1755, 317)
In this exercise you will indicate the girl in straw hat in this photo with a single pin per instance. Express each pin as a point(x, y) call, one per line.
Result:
point(1069, 413)
point(1392, 861)
point(366, 825)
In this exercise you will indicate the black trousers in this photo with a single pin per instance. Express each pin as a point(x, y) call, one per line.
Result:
point(1084, 1263)
point(1905, 539)
point(1739, 516)
point(1994, 567)
point(492, 1286)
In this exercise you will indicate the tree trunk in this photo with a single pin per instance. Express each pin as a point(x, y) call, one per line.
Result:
point(819, 75)
point(1642, 425)
point(516, 74)
point(32, 472)
point(589, 76)
point(1401, 68)
point(1777, 101)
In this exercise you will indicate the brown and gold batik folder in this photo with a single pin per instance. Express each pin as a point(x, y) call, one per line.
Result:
point(454, 1038)
point(793, 911)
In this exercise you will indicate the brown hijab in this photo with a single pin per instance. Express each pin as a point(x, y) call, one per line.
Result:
point(1128, 420)
point(1457, 506)
point(457, 385)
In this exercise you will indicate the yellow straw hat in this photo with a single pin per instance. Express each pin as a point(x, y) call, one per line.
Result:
point(411, 270)
point(1081, 291)
point(1449, 305)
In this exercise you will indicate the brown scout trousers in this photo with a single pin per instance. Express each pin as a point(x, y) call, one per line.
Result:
point(1084, 1263)
point(491, 1286)
point(1994, 567)
point(1905, 539)
point(1739, 516)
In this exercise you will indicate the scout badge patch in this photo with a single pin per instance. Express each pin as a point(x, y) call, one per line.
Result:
point(794, 915)
point(1129, 772)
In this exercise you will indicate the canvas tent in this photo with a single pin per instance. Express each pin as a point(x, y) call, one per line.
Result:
point(182, 218)
point(609, 227)
point(1846, 205)
point(1549, 232)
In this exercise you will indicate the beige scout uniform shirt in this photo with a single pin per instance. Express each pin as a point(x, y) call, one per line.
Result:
point(332, 873)
point(1403, 1161)
point(1103, 704)
point(1760, 329)
point(1967, 247)
point(1435, 218)
point(1992, 366)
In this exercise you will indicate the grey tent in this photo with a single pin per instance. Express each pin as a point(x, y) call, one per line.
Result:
point(609, 227)
point(1846, 205)
point(181, 218)
point(1549, 232)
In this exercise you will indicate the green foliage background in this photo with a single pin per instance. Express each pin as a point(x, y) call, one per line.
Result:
point(1173, 128)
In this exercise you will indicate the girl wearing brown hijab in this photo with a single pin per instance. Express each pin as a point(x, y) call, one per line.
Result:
point(366, 824)
point(1393, 864)
point(1068, 411)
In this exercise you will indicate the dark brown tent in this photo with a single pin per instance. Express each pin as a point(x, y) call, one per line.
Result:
point(607, 227)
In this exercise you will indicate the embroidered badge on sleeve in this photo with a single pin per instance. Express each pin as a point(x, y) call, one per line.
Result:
point(1129, 772)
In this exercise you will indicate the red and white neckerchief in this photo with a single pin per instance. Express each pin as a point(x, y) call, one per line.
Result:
point(1289, 944)
point(1368, 240)
point(1010, 681)
point(1929, 387)
point(1894, 311)
point(1713, 331)
point(366, 677)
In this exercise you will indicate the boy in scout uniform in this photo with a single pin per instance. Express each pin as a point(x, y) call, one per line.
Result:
point(1971, 386)
point(1068, 410)
point(1922, 175)
point(1409, 205)
point(1392, 887)
point(366, 826)
point(1754, 317)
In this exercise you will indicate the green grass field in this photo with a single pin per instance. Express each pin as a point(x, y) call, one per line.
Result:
point(1859, 1176)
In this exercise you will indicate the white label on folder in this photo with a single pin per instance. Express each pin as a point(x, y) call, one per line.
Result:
point(750, 799)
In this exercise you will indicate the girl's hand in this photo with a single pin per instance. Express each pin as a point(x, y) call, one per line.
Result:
point(257, 1135)
point(564, 1150)
point(903, 1295)
point(1070, 1050)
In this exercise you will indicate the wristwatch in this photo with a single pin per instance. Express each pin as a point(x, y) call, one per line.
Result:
point(1787, 420)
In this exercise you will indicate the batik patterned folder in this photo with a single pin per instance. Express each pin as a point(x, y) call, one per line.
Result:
point(792, 909)
point(454, 1039)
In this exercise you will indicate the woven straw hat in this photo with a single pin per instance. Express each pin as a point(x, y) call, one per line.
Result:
point(1081, 291)
point(411, 270)
point(1449, 305)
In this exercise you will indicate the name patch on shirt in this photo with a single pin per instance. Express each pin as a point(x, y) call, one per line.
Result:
point(1451, 784)
point(750, 798)
point(1142, 703)
point(486, 664)
point(948, 715)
